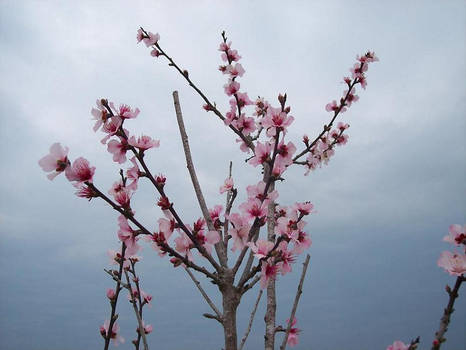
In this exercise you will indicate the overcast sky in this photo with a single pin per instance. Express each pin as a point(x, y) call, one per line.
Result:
point(383, 203)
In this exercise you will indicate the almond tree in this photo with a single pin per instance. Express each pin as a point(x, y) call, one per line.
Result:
point(236, 247)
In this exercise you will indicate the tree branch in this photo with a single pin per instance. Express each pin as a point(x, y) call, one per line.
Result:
point(142, 332)
point(251, 319)
point(204, 294)
point(192, 172)
point(296, 301)
point(445, 320)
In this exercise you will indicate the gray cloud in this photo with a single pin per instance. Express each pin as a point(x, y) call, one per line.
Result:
point(384, 201)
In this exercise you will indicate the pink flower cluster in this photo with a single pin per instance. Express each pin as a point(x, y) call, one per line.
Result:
point(398, 345)
point(114, 335)
point(293, 335)
point(80, 173)
point(322, 149)
point(150, 39)
point(454, 262)
point(238, 100)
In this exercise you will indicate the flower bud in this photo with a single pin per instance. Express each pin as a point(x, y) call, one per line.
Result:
point(110, 294)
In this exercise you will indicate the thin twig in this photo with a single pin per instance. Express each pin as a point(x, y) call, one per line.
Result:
point(113, 303)
point(139, 299)
point(212, 106)
point(445, 320)
point(204, 294)
point(228, 205)
point(251, 319)
point(296, 301)
point(136, 311)
point(192, 172)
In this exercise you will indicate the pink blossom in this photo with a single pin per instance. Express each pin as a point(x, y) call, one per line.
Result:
point(125, 111)
point(253, 209)
point(398, 345)
point(115, 257)
point(276, 120)
point(279, 168)
point(342, 139)
point(262, 153)
point(239, 231)
point(140, 35)
point(183, 245)
point(127, 235)
point(456, 235)
point(245, 124)
point(231, 55)
point(285, 153)
point(302, 243)
point(158, 241)
point(303, 208)
point(224, 46)
point(342, 126)
point(147, 328)
point(215, 212)
point(231, 88)
point(208, 240)
point(80, 171)
point(268, 272)
point(261, 107)
point(121, 194)
point(118, 149)
point(111, 127)
point(261, 248)
point(351, 97)
point(143, 142)
point(368, 57)
point(289, 226)
point(243, 146)
point(257, 191)
point(166, 227)
point(293, 335)
point(114, 336)
point(133, 174)
point(363, 81)
point(146, 298)
point(86, 192)
point(332, 106)
point(100, 115)
point(454, 263)
point(155, 53)
point(227, 185)
point(286, 258)
point(56, 161)
point(235, 71)
point(358, 70)
point(152, 39)
point(230, 115)
point(243, 99)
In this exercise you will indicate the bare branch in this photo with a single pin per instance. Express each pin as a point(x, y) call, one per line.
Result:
point(197, 187)
point(206, 297)
point(445, 320)
point(296, 301)
point(251, 319)
point(142, 332)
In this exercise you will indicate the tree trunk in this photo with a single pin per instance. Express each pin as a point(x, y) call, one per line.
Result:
point(230, 304)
